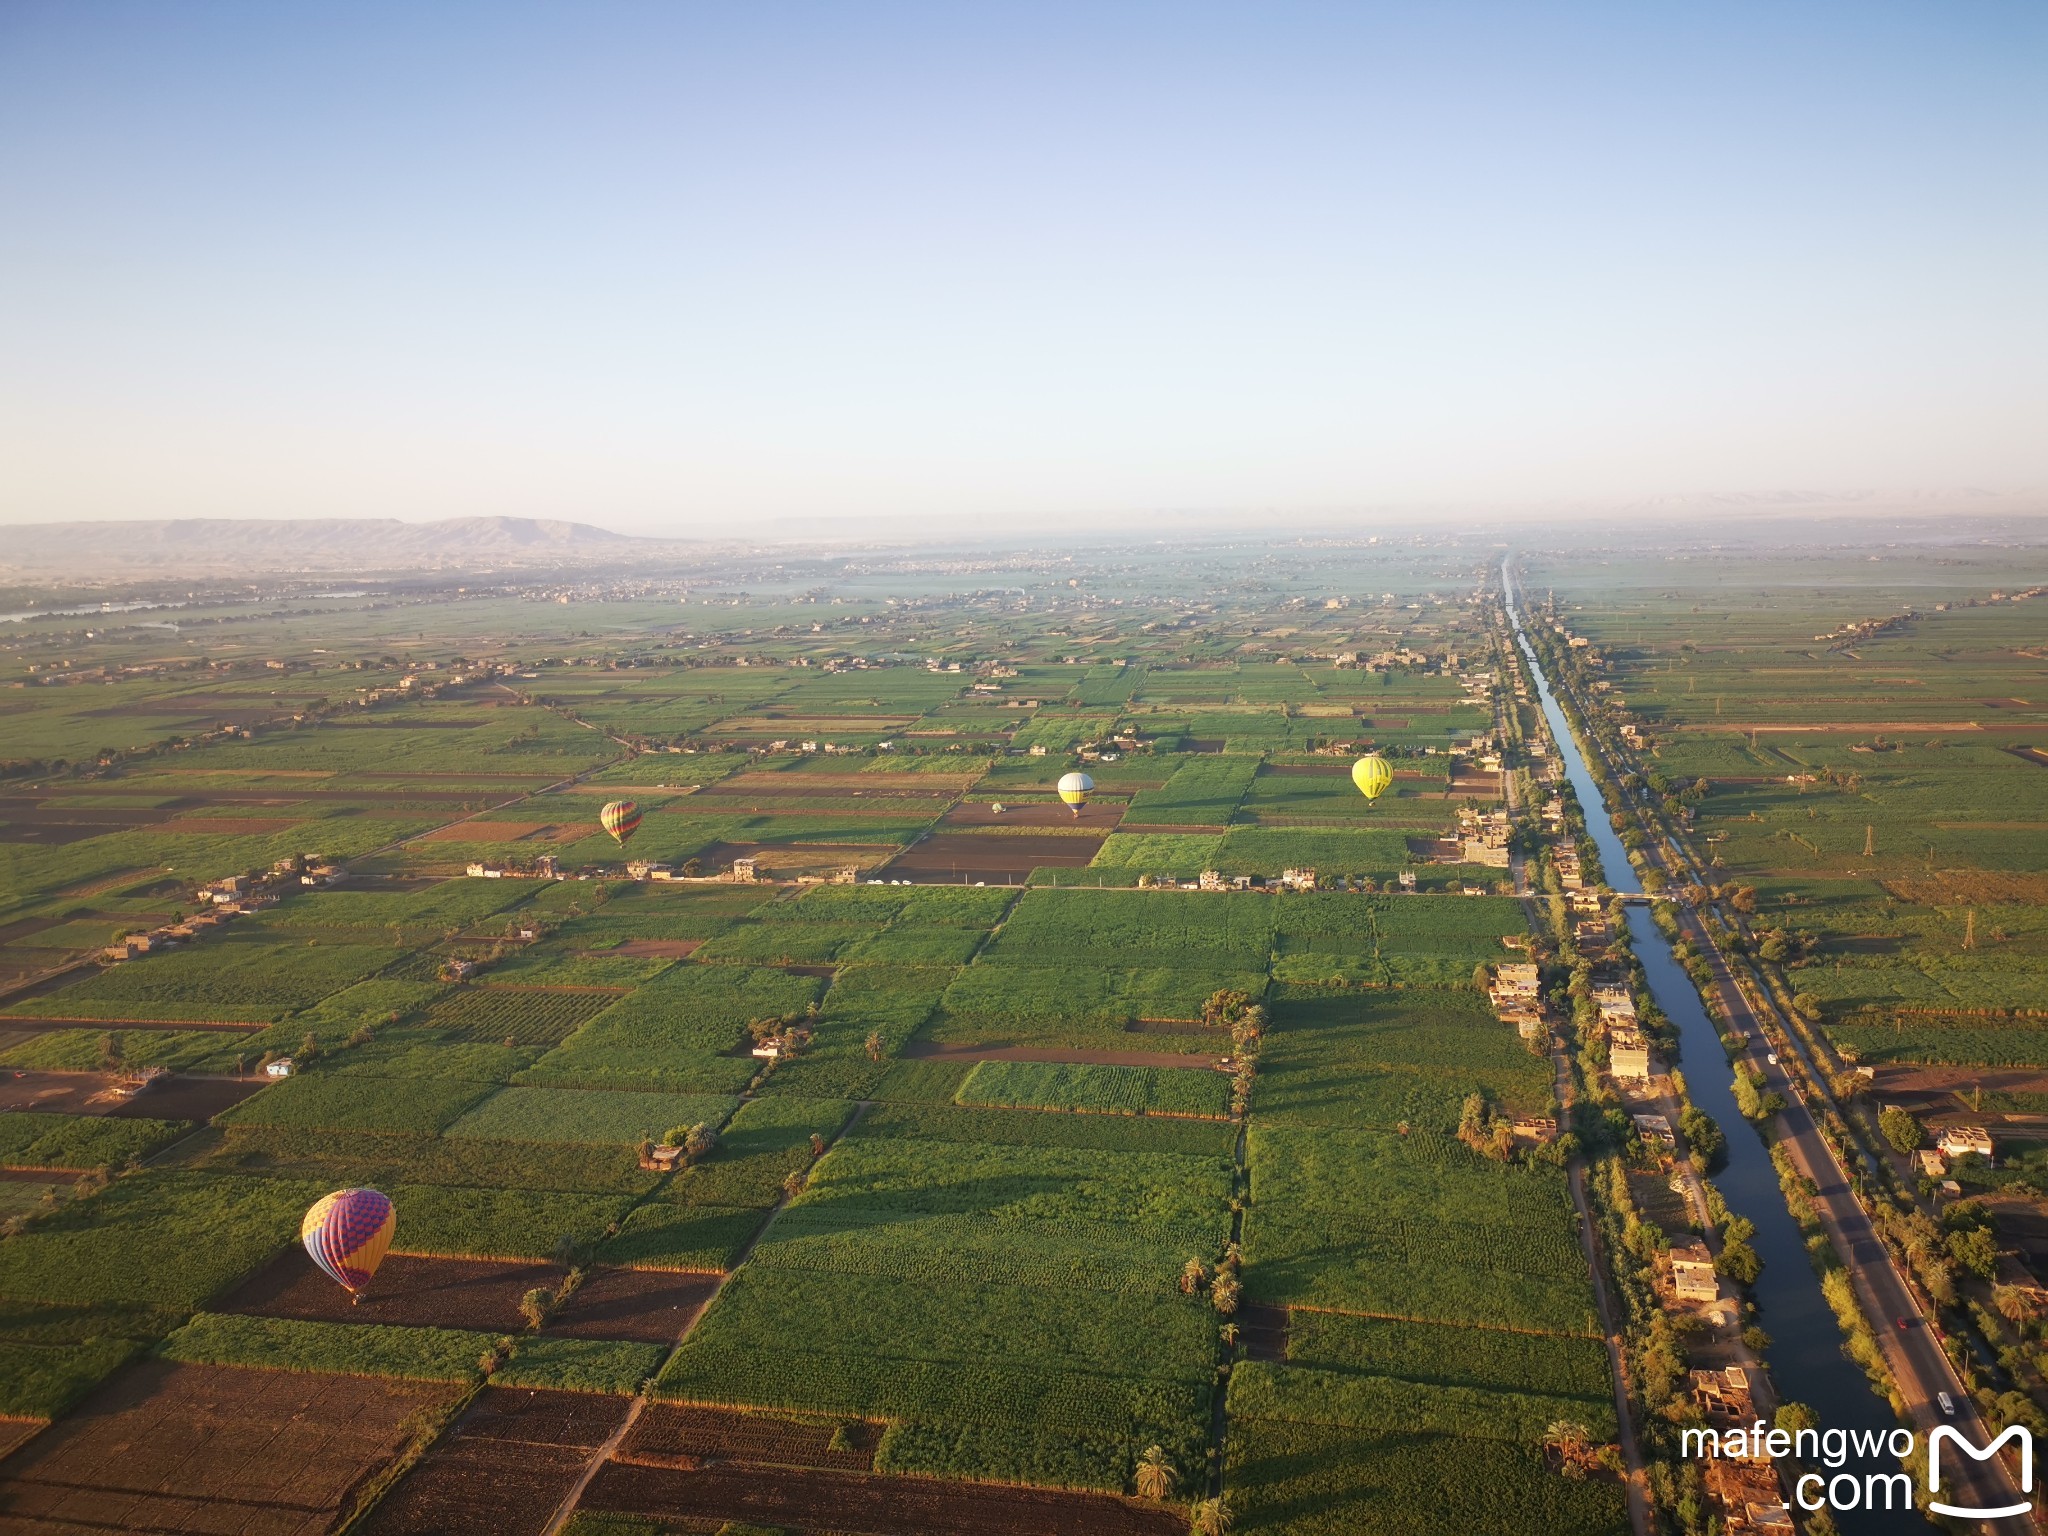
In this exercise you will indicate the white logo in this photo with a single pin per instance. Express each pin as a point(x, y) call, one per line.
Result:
point(1943, 1432)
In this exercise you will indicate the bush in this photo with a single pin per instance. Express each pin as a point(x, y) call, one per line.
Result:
point(1709, 1145)
point(1900, 1129)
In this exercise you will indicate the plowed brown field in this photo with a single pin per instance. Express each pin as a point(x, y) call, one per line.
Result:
point(210, 1449)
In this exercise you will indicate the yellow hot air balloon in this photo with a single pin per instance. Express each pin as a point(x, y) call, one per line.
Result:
point(1074, 789)
point(1372, 775)
point(621, 818)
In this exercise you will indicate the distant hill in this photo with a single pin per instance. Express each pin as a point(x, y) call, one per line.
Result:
point(205, 546)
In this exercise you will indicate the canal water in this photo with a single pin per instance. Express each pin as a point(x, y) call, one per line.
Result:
point(1807, 1360)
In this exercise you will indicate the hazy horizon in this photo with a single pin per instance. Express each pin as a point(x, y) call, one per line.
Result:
point(667, 270)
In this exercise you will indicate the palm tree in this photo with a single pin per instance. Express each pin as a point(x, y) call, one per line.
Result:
point(1225, 1293)
point(535, 1305)
point(1155, 1475)
point(1569, 1439)
point(1211, 1517)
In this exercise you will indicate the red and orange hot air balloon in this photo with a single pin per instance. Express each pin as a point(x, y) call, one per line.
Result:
point(621, 818)
point(347, 1234)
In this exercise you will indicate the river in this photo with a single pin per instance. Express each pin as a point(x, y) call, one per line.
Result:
point(1806, 1358)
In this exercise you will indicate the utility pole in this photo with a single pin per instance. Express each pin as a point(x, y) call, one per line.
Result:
point(1970, 930)
point(1869, 839)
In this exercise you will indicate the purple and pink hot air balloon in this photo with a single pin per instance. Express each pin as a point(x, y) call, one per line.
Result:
point(347, 1234)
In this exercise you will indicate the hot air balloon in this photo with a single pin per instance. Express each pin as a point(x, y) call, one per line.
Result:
point(1074, 789)
point(1372, 775)
point(347, 1233)
point(621, 818)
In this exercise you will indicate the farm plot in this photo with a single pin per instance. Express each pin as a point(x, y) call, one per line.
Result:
point(884, 1003)
point(409, 1291)
point(674, 1033)
point(994, 858)
point(1010, 1384)
point(1376, 853)
point(518, 1015)
point(1379, 1059)
point(405, 916)
point(1282, 796)
point(344, 1349)
point(588, 1115)
point(892, 907)
point(1483, 1359)
point(1132, 928)
point(168, 1446)
point(783, 943)
point(1002, 1236)
point(736, 1497)
point(1098, 1089)
point(670, 1434)
point(943, 1122)
point(1046, 1005)
point(506, 1224)
point(83, 1050)
point(1330, 1480)
point(636, 1305)
point(33, 1140)
point(1170, 855)
point(239, 977)
point(336, 1102)
point(703, 1218)
point(504, 1468)
point(1203, 792)
point(159, 1239)
point(1415, 1226)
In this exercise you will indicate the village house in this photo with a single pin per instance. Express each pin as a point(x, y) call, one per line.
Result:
point(1724, 1397)
point(1751, 1500)
point(1965, 1141)
point(1614, 1001)
point(1655, 1128)
point(133, 945)
point(1515, 981)
point(1692, 1273)
point(1628, 1054)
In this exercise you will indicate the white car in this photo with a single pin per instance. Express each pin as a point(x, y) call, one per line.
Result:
point(1948, 1404)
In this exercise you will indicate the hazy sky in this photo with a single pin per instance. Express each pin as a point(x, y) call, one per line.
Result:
point(688, 266)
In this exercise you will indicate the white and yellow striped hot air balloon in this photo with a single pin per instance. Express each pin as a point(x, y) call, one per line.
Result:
point(1074, 789)
point(1372, 775)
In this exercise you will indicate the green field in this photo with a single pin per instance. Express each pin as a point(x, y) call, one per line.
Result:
point(981, 1259)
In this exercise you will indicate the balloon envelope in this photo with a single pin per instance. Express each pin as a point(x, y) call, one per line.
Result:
point(1074, 788)
point(347, 1234)
point(1372, 776)
point(621, 818)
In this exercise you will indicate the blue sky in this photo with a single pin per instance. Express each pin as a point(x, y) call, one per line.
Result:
point(676, 266)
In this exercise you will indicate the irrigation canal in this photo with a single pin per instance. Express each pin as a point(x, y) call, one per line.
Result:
point(1806, 1358)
